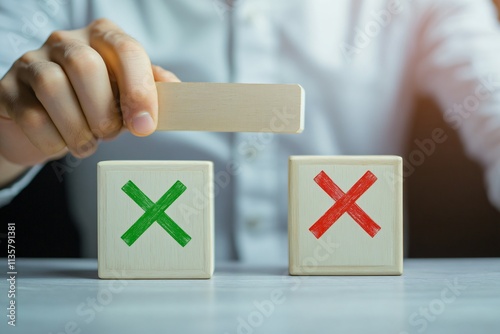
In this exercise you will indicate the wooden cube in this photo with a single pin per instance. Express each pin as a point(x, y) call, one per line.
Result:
point(155, 219)
point(345, 215)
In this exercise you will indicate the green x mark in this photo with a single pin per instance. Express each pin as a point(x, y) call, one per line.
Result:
point(154, 212)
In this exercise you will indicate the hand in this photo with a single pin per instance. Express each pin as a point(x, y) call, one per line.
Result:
point(79, 87)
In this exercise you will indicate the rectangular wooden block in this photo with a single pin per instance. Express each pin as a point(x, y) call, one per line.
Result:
point(155, 219)
point(345, 215)
point(227, 107)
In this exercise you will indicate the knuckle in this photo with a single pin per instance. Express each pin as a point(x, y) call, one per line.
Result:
point(82, 58)
point(28, 57)
point(47, 76)
point(56, 37)
point(100, 24)
point(121, 42)
point(7, 99)
point(31, 119)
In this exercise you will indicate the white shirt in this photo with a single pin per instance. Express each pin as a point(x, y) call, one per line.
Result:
point(361, 64)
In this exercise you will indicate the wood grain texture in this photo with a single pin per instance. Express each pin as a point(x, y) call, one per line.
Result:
point(224, 107)
point(345, 248)
point(155, 253)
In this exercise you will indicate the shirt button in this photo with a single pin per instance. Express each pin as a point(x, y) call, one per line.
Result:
point(253, 224)
point(250, 154)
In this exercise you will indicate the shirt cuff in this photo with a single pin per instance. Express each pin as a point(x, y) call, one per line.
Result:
point(8, 194)
point(493, 183)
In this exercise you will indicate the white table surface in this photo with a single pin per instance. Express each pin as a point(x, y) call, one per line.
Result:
point(53, 296)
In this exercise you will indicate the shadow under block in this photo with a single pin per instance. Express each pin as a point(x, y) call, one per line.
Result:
point(155, 219)
point(229, 107)
point(345, 215)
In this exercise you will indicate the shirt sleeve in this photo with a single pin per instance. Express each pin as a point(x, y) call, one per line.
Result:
point(458, 63)
point(24, 26)
point(8, 194)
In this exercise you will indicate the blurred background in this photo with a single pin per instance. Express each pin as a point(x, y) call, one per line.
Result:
point(449, 213)
point(445, 222)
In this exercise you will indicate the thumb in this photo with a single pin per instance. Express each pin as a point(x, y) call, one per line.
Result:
point(143, 120)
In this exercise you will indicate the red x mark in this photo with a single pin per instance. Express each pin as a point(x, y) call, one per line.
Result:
point(345, 203)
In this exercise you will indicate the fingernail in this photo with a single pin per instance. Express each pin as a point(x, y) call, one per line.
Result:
point(143, 123)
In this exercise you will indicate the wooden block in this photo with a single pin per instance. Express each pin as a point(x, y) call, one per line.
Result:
point(223, 107)
point(155, 219)
point(345, 215)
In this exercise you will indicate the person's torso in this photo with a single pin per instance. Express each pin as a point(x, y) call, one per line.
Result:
point(352, 58)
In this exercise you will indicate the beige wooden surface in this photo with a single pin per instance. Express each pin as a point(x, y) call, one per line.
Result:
point(345, 248)
point(435, 296)
point(155, 254)
point(224, 107)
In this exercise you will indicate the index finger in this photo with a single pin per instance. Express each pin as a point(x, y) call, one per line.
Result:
point(128, 62)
